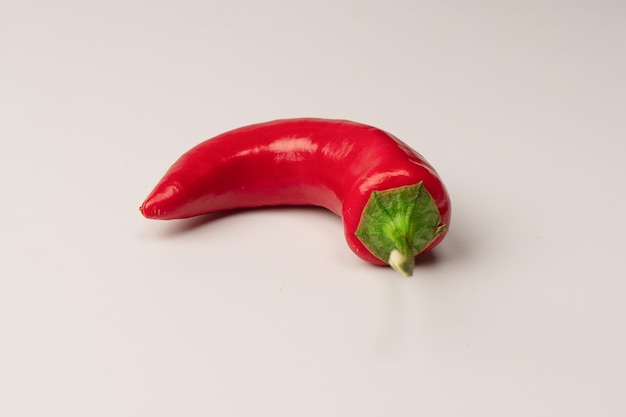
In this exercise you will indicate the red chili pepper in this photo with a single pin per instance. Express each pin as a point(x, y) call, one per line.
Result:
point(392, 202)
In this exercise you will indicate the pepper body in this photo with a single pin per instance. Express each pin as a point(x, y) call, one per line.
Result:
point(334, 164)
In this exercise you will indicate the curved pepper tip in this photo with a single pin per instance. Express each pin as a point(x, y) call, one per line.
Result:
point(151, 209)
point(144, 212)
point(159, 202)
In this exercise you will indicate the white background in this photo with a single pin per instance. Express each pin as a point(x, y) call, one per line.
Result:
point(519, 105)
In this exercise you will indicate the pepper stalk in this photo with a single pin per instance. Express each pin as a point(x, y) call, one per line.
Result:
point(398, 224)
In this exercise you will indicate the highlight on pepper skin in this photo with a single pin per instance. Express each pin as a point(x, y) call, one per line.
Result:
point(392, 202)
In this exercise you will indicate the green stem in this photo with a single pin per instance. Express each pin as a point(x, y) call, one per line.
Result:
point(398, 224)
point(402, 262)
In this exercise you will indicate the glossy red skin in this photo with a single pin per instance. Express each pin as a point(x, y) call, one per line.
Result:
point(334, 164)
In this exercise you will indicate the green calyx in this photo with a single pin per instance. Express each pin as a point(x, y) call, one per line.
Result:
point(398, 224)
